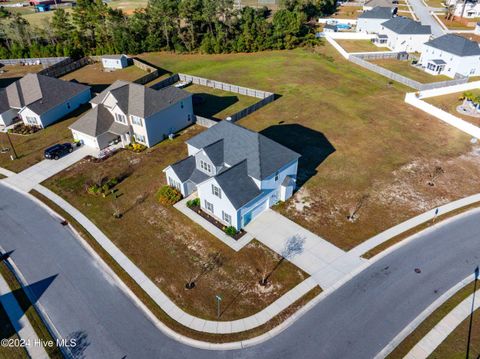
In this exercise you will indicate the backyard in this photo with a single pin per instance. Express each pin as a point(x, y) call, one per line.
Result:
point(363, 149)
point(12, 73)
point(404, 68)
point(457, 23)
point(359, 46)
point(170, 248)
point(450, 102)
point(30, 148)
point(94, 75)
point(347, 12)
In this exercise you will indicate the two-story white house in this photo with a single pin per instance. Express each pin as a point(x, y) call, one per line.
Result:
point(404, 34)
point(237, 173)
point(40, 100)
point(129, 111)
point(370, 21)
point(451, 55)
point(466, 9)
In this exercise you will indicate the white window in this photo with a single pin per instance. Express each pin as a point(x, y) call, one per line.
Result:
point(139, 138)
point(136, 120)
point(31, 120)
point(209, 206)
point(216, 191)
point(226, 217)
point(120, 118)
point(205, 166)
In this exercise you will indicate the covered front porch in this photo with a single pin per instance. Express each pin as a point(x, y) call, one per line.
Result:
point(435, 67)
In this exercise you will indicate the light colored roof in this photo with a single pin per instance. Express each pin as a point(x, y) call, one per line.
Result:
point(40, 93)
point(406, 26)
point(138, 100)
point(114, 57)
point(97, 121)
point(456, 45)
point(379, 12)
point(264, 156)
point(379, 3)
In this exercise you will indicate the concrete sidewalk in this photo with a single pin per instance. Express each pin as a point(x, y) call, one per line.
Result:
point(45, 169)
point(444, 328)
point(20, 322)
point(327, 263)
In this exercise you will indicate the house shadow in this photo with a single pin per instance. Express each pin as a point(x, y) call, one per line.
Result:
point(313, 146)
point(10, 324)
point(95, 88)
point(208, 105)
point(4, 82)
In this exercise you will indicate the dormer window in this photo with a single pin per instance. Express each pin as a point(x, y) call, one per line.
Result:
point(276, 176)
point(136, 120)
point(205, 166)
point(216, 191)
point(120, 118)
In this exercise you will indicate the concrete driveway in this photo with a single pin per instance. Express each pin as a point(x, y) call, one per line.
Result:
point(325, 262)
point(45, 169)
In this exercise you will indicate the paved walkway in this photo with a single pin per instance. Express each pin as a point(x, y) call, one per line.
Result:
point(38, 173)
point(327, 263)
point(444, 328)
point(20, 322)
point(423, 14)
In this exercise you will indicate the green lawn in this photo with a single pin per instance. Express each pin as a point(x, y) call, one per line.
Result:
point(219, 104)
point(359, 46)
point(404, 68)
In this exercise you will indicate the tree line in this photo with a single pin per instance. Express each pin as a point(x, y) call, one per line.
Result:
point(207, 26)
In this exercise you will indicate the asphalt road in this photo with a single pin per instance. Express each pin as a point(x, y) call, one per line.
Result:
point(423, 14)
point(356, 321)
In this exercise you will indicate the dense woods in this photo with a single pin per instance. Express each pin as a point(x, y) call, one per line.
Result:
point(208, 26)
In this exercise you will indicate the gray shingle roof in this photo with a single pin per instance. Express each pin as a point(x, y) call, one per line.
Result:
point(456, 45)
point(4, 106)
point(237, 185)
point(114, 57)
point(186, 171)
point(138, 100)
point(264, 156)
point(215, 152)
point(380, 3)
point(97, 121)
point(378, 12)
point(41, 93)
point(406, 26)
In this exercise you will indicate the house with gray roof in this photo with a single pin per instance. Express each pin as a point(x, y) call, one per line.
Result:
point(237, 173)
point(371, 21)
point(404, 34)
point(40, 100)
point(129, 112)
point(371, 4)
point(451, 55)
point(114, 62)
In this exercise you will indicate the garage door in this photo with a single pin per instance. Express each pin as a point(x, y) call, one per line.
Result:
point(86, 140)
point(254, 212)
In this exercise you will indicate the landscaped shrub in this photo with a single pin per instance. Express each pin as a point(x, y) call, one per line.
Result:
point(193, 203)
point(23, 129)
point(136, 147)
point(103, 189)
point(230, 230)
point(168, 195)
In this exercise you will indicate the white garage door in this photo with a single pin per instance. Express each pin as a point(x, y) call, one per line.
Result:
point(86, 140)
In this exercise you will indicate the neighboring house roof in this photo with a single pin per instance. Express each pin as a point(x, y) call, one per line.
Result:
point(405, 26)
point(4, 106)
point(41, 93)
point(114, 57)
point(331, 27)
point(237, 185)
point(264, 156)
point(138, 100)
point(186, 171)
point(439, 62)
point(379, 12)
point(456, 45)
point(97, 121)
point(380, 3)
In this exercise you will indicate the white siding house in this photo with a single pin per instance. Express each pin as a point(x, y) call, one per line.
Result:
point(451, 55)
point(41, 100)
point(131, 112)
point(465, 9)
point(113, 62)
point(237, 173)
point(404, 34)
point(370, 22)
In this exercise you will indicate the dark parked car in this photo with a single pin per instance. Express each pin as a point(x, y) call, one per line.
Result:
point(57, 151)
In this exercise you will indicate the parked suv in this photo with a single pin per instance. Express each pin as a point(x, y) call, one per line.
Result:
point(57, 151)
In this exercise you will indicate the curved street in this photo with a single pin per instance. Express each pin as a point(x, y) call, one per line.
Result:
point(356, 321)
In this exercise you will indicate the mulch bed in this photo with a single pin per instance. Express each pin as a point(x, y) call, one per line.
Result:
point(216, 223)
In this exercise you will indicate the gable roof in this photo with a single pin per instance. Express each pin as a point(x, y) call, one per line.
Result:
point(41, 93)
point(456, 45)
point(97, 121)
point(114, 57)
point(215, 152)
point(4, 106)
point(264, 156)
point(186, 170)
point(237, 185)
point(406, 26)
point(138, 100)
point(379, 12)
